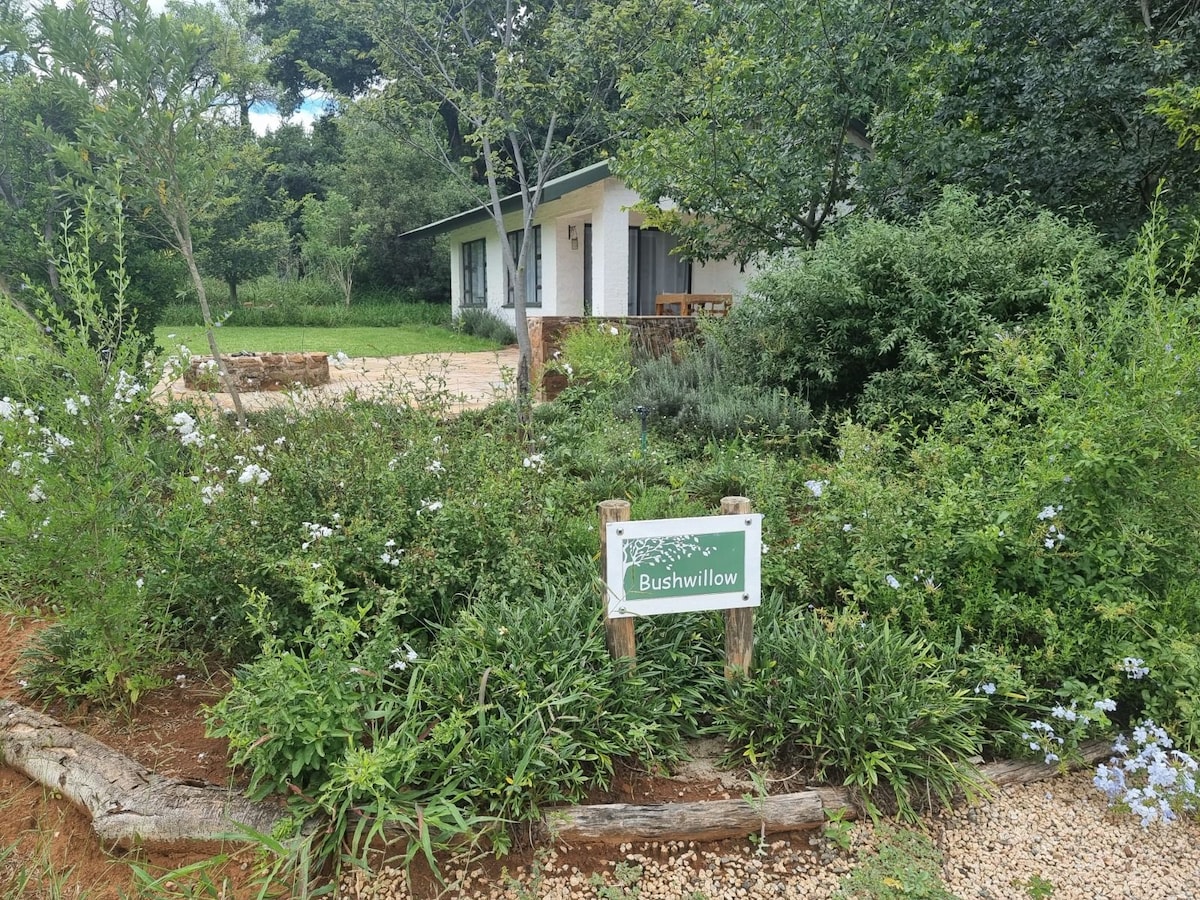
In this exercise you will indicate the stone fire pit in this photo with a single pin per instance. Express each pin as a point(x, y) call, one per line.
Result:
point(259, 371)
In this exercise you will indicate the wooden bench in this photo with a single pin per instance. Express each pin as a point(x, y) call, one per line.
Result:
point(692, 304)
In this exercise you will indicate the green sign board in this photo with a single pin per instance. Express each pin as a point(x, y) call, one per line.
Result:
point(683, 565)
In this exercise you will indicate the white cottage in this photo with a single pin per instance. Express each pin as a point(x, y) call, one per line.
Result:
point(591, 254)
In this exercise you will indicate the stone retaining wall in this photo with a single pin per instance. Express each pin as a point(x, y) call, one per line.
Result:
point(650, 336)
point(259, 371)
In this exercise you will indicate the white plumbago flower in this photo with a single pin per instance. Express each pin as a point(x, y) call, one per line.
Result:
point(1048, 512)
point(1135, 667)
point(435, 467)
point(279, 441)
point(987, 687)
point(210, 492)
point(36, 494)
point(431, 505)
point(535, 461)
point(817, 488)
point(254, 474)
point(892, 582)
point(72, 406)
point(6, 408)
point(127, 387)
point(141, 583)
point(612, 329)
point(390, 557)
point(406, 655)
point(185, 426)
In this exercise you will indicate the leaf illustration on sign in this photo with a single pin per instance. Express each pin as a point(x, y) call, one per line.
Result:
point(659, 550)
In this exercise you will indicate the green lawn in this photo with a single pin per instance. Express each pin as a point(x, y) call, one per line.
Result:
point(353, 341)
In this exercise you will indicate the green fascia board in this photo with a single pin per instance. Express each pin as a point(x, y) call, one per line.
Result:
point(553, 189)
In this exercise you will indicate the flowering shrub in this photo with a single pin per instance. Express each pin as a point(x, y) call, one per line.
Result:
point(1149, 778)
point(83, 479)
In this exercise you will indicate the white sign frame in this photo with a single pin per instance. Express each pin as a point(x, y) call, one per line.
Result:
point(619, 607)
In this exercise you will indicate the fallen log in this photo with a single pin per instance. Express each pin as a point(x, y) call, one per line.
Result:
point(710, 820)
point(129, 804)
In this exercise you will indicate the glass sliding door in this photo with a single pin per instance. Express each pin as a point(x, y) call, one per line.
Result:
point(654, 270)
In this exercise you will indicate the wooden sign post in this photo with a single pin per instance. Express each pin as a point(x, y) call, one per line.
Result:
point(682, 565)
point(739, 621)
point(618, 632)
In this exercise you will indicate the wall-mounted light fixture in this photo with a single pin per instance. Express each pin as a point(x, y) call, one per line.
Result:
point(573, 236)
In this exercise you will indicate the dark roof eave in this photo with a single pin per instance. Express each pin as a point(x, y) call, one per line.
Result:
point(553, 190)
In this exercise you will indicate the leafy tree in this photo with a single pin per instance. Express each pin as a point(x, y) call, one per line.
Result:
point(301, 162)
point(314, 44)
point(34, 199)
point(333, 238)
point(149, 134)
point(524, 85)
point(1050, 99)
point(1179, 106)
point(750, 116)
point(395, 187)
point(243, 233)
point(237, 60)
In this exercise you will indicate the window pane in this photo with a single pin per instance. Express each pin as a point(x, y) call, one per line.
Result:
point(474, 257)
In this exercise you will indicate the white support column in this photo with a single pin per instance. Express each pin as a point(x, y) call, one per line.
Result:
point(610, 254)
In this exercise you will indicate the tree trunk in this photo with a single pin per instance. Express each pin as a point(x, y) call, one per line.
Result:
point(183, 234)
point(129, 804)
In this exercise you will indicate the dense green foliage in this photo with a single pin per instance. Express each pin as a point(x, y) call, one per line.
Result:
point(891, 321)
point(993, 513)
point(750, 116)
point(765, 122)
point(869, 704)
point(1048, 100)
point(427, 593)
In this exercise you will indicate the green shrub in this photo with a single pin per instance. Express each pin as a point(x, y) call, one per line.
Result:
point(515, 704)
point(889, 320)
point(863, 704)
point(698, 393)
point(84, 484)
point(485, 324)
point(1051, 527)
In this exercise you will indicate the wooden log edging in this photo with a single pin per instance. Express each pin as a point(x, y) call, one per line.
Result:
point(129, 804)
point(711, 820)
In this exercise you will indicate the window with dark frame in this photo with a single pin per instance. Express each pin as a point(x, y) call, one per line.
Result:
point(474, 271)
point(533, 268)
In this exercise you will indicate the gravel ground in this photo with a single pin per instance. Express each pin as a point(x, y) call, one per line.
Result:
point(1059, 832)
